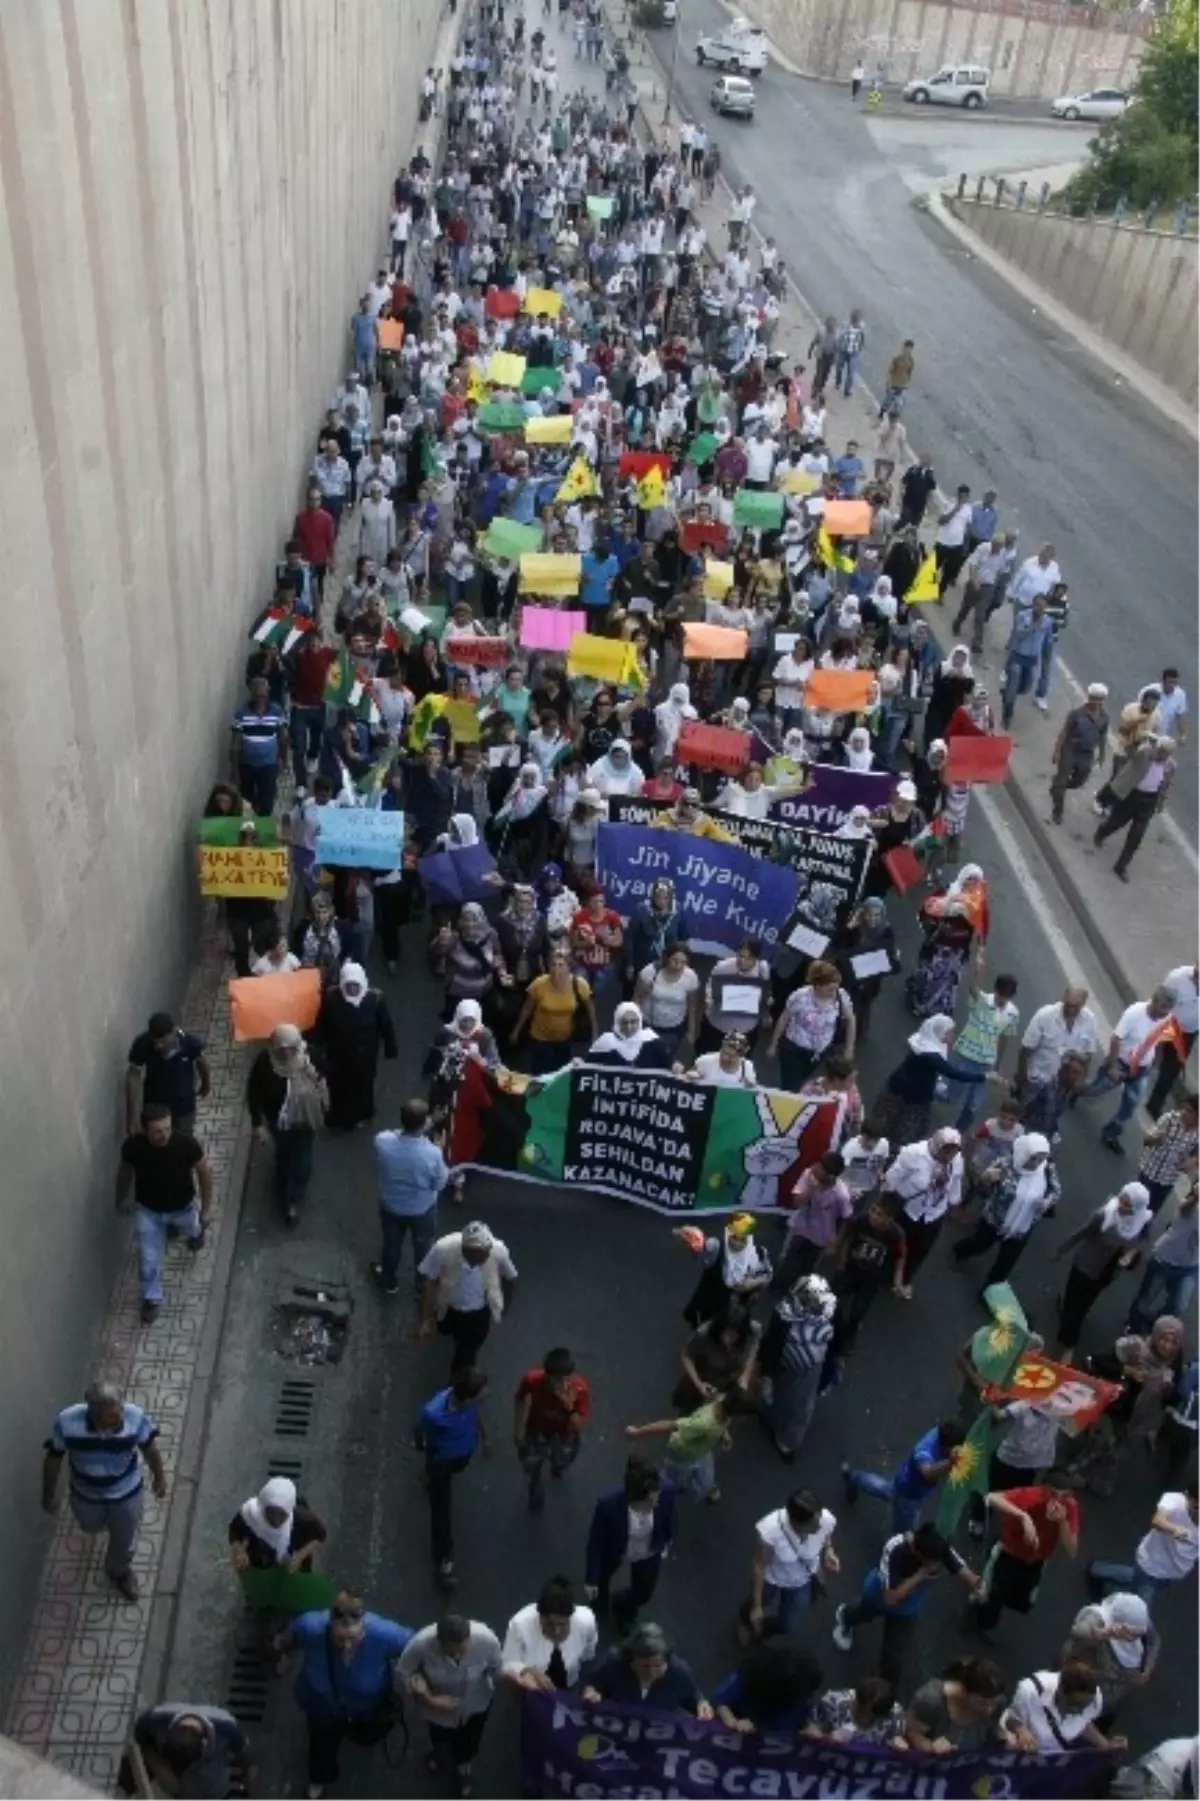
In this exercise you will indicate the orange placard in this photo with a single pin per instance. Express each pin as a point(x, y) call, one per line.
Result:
point(389, 334)
point(260, 1003)
point(839, 690)
point(720, 643)
point(847, 518)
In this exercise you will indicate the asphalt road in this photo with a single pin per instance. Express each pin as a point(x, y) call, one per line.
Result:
point(610, 1281)
point(1001, 398)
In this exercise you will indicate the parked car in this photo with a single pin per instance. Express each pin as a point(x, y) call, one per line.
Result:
point(956, 84)
point(1100, 103)
point(732, 94)
point(740, 48)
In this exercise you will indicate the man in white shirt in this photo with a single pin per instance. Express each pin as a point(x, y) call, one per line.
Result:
point(1172, 708)
point(470, 1280)
point(379, 292)
point(1167, 1553)
point(1037, 575)
point(761, 452)
point(1065, 1025)
point(1183, 987)
point(984, 567)
point(1128, 1063)
point(740, 215)
point(794, 1546)
point(549, 1642)
point(950, 544)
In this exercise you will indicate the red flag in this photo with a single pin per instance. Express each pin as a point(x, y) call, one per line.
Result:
point(696, 536)
point(641, 462)
point(1072, 1395)
point(712, 747)
point(902, 867)
point(978, 760)
point(1167, 1031)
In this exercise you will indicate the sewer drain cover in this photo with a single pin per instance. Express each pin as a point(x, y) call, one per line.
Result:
point(310, 1338)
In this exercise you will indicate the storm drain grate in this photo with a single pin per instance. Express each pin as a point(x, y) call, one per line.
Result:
point(285, 1466)
point(294, 1410)
point(249, 1684)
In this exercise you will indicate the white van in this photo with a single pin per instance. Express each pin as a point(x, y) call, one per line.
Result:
point(956, 84)
point(741, 48)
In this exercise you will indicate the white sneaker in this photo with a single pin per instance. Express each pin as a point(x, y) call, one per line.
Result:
point(843, 1635)
point(1099, 809)
point(1042, 705)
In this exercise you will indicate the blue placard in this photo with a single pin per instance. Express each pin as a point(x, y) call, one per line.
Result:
point(725, 894)
point(359, 837)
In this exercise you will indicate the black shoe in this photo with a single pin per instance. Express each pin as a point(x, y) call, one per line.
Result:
point(1121, 874)
point(849, 1486)
point(377, 1272)
point(1112, 1144)
point(198, 1243)
point(150, 1311)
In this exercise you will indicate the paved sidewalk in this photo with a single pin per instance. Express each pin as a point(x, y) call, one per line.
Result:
point(1137, 931)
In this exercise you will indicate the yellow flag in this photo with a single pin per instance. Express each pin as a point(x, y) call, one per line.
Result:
point(652, 490)
point(545, 572)
point(505, 369)
point(555, 430)
point(925, 582)
point(832, 559)
point(718, 579)
point(542, 300)
point(579, 483)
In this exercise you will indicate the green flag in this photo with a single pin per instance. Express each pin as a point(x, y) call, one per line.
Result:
point(969, 1470)
point(509, 539)
point(702, 448)
point(758, 508)
point(501, 415)
point(996, 1348)
point(537, 378)
point(226, 830)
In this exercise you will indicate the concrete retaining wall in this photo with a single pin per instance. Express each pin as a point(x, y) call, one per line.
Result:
point(1136, 288)
point(191, 199)
point(1028, 56)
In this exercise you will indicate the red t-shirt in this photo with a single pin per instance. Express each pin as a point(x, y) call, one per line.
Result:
point(1033, 1502)
point(310, 670)
point(594, 953)
point(551, 1414)
point(316, 533)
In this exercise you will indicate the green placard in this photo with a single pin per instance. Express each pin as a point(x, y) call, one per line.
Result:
point(600, 206)
point(534, 380)
point(287, 1591)
point(510, 539)
point(226, 830)
point(757, 507)
point(501, 415)
point(702, 448)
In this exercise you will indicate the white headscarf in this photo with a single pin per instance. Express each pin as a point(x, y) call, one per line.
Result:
point(463, 830)
point(353, 983)
point(468, 1017)
point(950, 667)
point(859, 754)
point(1030, 1191)
point(1127, 1225)
point(857, 824)
point(970, 872)
point(527, 792)
point(882, 598)
point(280, 1491)
point(932, 1035)
point(669, 716)
point(626, 1044)
point(1129, 1611)
point(793, 745)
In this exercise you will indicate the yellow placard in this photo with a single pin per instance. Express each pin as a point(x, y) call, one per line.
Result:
point(543, 572)
point(799, 481)
point(555, 430)
point(718, 579)
point(245, 871)
point(603, 659)
point(542, 300)
point(505, 369)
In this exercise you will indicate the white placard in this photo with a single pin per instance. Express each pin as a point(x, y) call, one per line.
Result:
point(786, 642)
point(738, 997)
point(871, 963)
point(803, 938)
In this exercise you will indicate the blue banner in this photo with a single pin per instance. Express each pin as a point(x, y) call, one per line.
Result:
point(725, 893)
point(359, 838)
point(466, 873)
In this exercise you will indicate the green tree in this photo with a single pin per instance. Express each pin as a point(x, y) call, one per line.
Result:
point(1150, 152)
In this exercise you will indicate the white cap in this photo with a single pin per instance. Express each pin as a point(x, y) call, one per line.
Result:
point(476, 1237)
point(1097, 691)
point(906, 791)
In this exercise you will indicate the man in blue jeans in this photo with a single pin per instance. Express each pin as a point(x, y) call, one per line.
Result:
point(166, 1171)
point(896, 1591)
point(1129, 1063)
point(1032, 630)
point(412, 1174)
point(919, 1476)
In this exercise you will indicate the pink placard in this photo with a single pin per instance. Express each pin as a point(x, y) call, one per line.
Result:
point(545, 628)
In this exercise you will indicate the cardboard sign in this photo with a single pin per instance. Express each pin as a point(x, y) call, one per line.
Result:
point(358, 838)
point(501, 303)
point(556, 429)
point(761, 508)
point(718, 579)
point(509, 540)
point(286, 1591)
point(545, 572)
point(260, 1003)
point(468, 650)
point(718, 643)
point(847, 518)
point(600, 206)
point(697, 535)
point(839, 690)
point(978, 759)
point(505, 369)
point(799, 482)
point(501, 416)
point(542, 300)
point(540, 378)
point(389, 334)
point(243, 871)
point(712, 747)
point(601, 659)
point(546, 628)
point(903, 868)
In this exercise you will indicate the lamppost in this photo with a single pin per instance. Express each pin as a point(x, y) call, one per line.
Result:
point(671, 66)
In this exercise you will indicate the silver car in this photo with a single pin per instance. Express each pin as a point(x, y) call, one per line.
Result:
point(1100, 103)
point(733, 94)
point(955, 84)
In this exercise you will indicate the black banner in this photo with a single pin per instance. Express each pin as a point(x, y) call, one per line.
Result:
point(643, 1134)
point(832, 869)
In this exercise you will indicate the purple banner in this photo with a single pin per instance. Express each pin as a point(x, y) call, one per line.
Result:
point(571, 1748)
point(830, 794)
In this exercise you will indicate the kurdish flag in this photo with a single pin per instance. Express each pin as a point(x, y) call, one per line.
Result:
point(652, 490)
point(832, 559)
point(344, 688)
point(995, 1353)
point(924, 583)
point(579, 483)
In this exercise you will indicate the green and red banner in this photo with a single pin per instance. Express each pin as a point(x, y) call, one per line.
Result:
point(661, 1141)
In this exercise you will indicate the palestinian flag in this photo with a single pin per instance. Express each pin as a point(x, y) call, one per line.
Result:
point(298, 624)
point(271, 626)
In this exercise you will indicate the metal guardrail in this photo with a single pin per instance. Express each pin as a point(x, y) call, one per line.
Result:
point(1179, 219)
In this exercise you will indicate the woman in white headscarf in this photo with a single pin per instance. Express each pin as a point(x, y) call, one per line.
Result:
point(353, 1023)
point(857, 824)
point(1021, 1193)
point(274, 1530)
point(907, 1104)
point(670, 716)
point(1104, 1244)
point(926, 1181)
point(616, 772)
point(1120, 1641)
point(521, 826)
point(287, 1099)
point(951, 685)
point(859, 755)
point(630, 1042)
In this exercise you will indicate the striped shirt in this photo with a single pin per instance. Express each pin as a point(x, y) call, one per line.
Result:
point(105, 1466)
point(1162, 1162)
point(333, 478)
point(259, 733)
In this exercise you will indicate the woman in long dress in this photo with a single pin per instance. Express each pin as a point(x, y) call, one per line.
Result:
point(354, 1023)
point(951, 922)
point(795, 1346)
